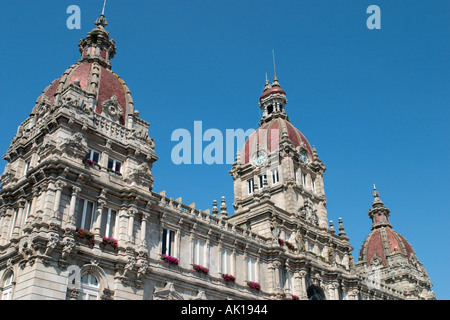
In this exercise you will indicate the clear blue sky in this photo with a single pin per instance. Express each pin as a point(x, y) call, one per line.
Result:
point(375, 103)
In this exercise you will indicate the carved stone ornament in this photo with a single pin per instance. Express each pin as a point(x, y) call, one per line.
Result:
point(167, 293)
point(376, 261)
point(75, 146)
point(112, 109)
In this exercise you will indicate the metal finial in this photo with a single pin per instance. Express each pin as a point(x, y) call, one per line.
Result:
point(274, 66)
point(104, 5)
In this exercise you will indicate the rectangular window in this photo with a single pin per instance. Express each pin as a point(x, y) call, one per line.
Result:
point(168, 242)
point(13, 223)
point(94, 156)
point(27, 166)
point(85, 215)
point(313, 185)
point(303, 180)
point(114, 165)
point(251, 186)
point(199, 252)
point(226, 261)
point(295, 174)
point(251, 270)
point(286, 280)
point(262, 178)
point(275, 176)
point(108, 223)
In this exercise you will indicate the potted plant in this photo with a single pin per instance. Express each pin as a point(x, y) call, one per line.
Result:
point(87, 235)
point(228, 277)
point(89, 162)
point(200, 268)
point(254, 285)
point(170, 259)
point(107, 241)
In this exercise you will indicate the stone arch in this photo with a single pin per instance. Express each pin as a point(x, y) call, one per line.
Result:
point(105, 293)
point(315, 293)
point(9, 272)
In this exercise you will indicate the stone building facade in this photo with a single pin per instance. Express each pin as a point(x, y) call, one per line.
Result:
point(79, 219)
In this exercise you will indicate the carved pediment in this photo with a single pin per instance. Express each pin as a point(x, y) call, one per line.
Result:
point(112, 109)
point(167, 293)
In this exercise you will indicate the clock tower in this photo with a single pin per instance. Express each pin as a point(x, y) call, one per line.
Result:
point(278, 168)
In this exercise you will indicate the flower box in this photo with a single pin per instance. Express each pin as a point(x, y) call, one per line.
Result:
point(87, 235)
point(200, 268)
point(254, 285)
point(280, 242)
point(228, 277)
point(167, 258)
point(290, 245)
point(110, 242)
point(294, 297)
point(114, 172)
point(92, 163)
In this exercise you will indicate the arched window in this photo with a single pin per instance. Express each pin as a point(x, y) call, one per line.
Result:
point(8, 287)
point(315, 293)
point(89, 289)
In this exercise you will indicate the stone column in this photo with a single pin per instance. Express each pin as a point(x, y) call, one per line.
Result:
point(131, 213)
point(59, 187)
point(73, 201)
point(302, 293)
point(144, 229)
point(17, 226)
point(101, 202)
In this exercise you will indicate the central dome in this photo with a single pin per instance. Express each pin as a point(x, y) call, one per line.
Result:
point(93, 75)
point(268, 136)
point(273, 126)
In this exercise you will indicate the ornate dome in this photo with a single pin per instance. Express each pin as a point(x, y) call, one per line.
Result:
point(274, 126)
point(268, 136)
point(93, 75)
point(383, 241)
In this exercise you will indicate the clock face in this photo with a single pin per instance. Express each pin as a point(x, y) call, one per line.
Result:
point(303, 157)
point(260, 159)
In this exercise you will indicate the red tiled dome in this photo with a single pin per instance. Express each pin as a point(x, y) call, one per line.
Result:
point(268, 137)
point(383, 242)
point(110, 84)
point(93, 73)
point(273, 90)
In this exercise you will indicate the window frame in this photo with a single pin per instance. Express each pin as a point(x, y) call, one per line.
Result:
point(275, 176)
point(168, 239)
point(226, 262)
point(251, 186)
point(199, 252)
point(84, 212)
point(91, 155)
point(261, 178)
point(109, 222)
point(114, 164)
point(252, 270)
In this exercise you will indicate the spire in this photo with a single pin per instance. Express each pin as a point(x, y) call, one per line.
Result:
point(376, 202)
point(379, 213)
point(102, 20)
point(97, 46)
